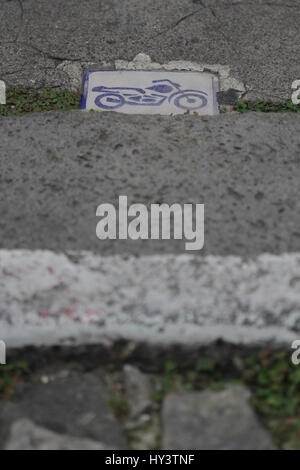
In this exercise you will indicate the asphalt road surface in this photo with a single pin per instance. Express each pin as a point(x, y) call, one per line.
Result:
point(258, 40)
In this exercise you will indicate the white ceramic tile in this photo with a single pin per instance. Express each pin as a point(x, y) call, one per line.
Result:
point(149, 92)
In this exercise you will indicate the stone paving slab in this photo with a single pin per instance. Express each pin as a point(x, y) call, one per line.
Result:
point(76, 407)
point(25, 435)
point(212, 421)
point(56, 418)
point(113, 407)
point(259, 41)
point(56, 168)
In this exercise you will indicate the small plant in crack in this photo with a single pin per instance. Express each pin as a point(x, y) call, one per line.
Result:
point(10, 375)
point(119, 405)
point(266, 106)
point(25, 100)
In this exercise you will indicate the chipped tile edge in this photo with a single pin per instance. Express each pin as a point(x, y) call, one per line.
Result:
point(224, 80)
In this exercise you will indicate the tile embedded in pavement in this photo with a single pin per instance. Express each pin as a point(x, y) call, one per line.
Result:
point(150, 92)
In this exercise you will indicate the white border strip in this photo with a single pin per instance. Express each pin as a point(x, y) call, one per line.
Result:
point(80, 298)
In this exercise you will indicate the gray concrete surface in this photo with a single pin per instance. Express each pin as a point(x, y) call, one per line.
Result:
point(56, 168)
point(259, 40)
point(49, 299)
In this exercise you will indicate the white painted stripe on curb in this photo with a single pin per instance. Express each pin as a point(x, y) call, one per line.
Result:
point(81, 298)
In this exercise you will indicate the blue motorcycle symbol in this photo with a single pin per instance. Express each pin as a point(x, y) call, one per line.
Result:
point(115, 97)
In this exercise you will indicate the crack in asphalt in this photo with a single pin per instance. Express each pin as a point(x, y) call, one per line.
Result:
point(214, 14)
point(193, 13)
point(46, 54)
point(183, 18)
point(212, 9)
point(21, 20)
point(283, 5)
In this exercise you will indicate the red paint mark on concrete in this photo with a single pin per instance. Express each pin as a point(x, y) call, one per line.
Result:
point(69, 312)
point(87, 315)
point(44, 313)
